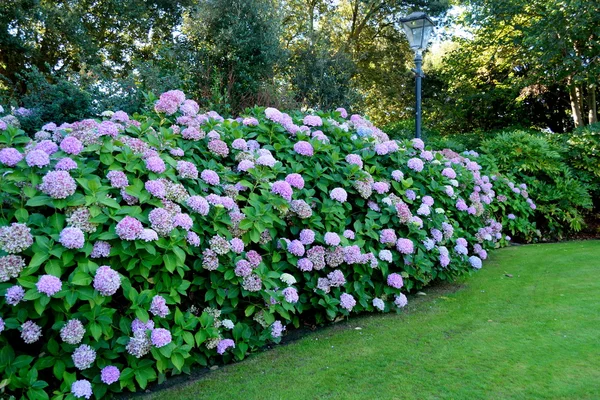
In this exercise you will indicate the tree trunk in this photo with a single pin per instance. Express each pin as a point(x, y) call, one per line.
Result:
point(575, 106)
point(592, 106)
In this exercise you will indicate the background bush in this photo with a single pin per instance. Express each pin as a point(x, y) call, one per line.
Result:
point(222, 233)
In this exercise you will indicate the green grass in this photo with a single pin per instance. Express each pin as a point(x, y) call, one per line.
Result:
point(533, 336)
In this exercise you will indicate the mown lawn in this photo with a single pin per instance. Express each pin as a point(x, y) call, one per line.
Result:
point(535, 335)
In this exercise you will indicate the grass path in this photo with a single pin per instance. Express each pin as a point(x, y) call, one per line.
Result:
point(535, 335)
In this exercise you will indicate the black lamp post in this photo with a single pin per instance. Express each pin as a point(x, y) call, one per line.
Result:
point(418, 27)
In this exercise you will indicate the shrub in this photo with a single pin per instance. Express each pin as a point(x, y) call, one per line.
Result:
point(133, 249)
point(561, 197)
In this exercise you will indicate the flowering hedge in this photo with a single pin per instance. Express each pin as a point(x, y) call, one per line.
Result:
point(136, 247)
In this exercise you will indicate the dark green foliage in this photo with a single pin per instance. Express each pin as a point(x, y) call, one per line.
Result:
point(561, 198)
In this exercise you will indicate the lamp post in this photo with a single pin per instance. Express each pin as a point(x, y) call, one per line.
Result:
point(418, 27)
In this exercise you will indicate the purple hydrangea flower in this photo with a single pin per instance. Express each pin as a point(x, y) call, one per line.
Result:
point(295, 180)
point(37, 158)
point(110, 374)
point(305, 264)
point(312, 120)
point(243, 268)
point(410, 194)
point(218, 147)
point(138, 325)
point(15, 238)
point(296, 248)
point(58, 184)
point(304, 148)
point(307, 236)
point(14, 295)
point(332, 239)
point(237, 245)
point(49, 285)
point(107, 281)
point(159, 306)
point(336, 278)
point(10, 156)
point(198, 204)
point(395, 280)
point(475, 262)
point(101, 249)
point(160, 337)
point(348, 234)
point(117, 179)
point(129, 228)
point(72, 332)
point(405, 246)
point(210, 177)
point(387, 236)
point(139, 344)
point(71, 145)
point(65, 164)
point(354, 159)
point(339, 194)
point(30, 332)
point(82, 389)
point(415, 164)
point(401, 300)
point(277, 329)
point(347, 301)
point(83, 357)
point(225, 344)
point(156, 164)
point(283, 189)
point(291, 295)
point(245, 165)
point(72, 238)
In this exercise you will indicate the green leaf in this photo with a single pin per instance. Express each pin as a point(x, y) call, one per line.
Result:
point(177, 360)
point(81, 279)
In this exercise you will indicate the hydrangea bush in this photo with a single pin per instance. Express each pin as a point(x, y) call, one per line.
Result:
point(137, 247)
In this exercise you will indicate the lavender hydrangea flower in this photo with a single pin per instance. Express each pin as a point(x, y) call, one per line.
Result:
point(14, 295)
point(277, 329)
point(305, 265)
point(71, 145)
point(395, 280)
point(354, 159)
point(193, 239)
point(243, 268)
point(83, 357)
point(110, 374)
point(10, 267)
point(385, 255)
point(160, 337)
point(339, 194)
point(388, 236)
point(218, 147)
point(252, 283)
point(156, 164)
point(138, 325)
point(415, 164)
point(378, 304)
point(347, 301)
point(187, 170)
point(237, 245)
point(107, 281)
point(304, 148)
point(332, 239)
point(210, 177)
point(475, 262)
point(290, 294)
point(139, 344)
point(100, 249)
point(295, 180)
point(198, 204)
point(405, 246)
point(307, 236)
point(117, 179)
point(336, 278)
point(10, 156)
point(245, 165)
point(224, 345)
point(15, 238)
point(72, 238)
point(129, 228)
point(72, 332)
point(401, 300)
point(58, 184)
point(37, 158)
point(312, 120)
point(82, 389)
point(159, 307)
point(283, 189)
point(30, 332)
point(296, 248)
point(49, 285)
